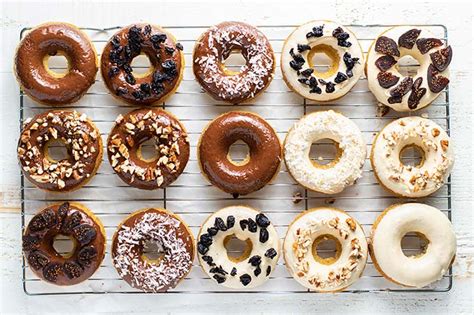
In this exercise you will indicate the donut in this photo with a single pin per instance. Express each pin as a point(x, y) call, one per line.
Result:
point(407, 93)
point(344, 170)
point(259, 167)
point(338, 43)
point(406, 180)
point(429, 224)
point(173, 239)
point(255, 265)
point(41, 83)
point(78, 223)
point(216, 44)
point(83, 143)
point(125, 151)
point(329, 274)
point(162, 78)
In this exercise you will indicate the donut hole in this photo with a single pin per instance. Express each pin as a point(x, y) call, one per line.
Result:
point(57, 64)
point(237, 250)
point(324, 60)
point(412, 155)
point(325, 153)
point(326, 249)
point(234, 62)
point(147, 150)
point(239, 153)
point(414, 244)
point(56, 150)
point(64, 245)
point(141, 66)
point(407, 65)
point(153, 251)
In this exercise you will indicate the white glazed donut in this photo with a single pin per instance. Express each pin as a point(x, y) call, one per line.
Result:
point(414, 271)
point(346, 168)
point(325, 274)
point(338, 43)
point(256, 264)
point(406, 180)
point(406, 93)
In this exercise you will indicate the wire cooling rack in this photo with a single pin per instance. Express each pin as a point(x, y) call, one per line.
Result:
point(194, 199)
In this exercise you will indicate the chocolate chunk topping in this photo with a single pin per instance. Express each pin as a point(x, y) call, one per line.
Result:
point(52, 271)
point(84, 234)
point(255, 260)
point(416, 94)
point(387, 46)
point(205, 239)
point(442, 58)
point(436, 82)
point(271, 253)
point(262, 220)
point(245, 279)
point(219, 278)
point(426, 44)
point(44, 220)
point(263, 237)
point(37, 259)
point(219, 224)
point(307, 72)
point(302, 47)
point(230, 221)
point(72, 270)
point(233, 272)
point(408, 38)
point(330, 87)
point(252, 225)
point(86, 255)
point(269, 270)
point(385, 62)
point(340, 77)
point(387, 79)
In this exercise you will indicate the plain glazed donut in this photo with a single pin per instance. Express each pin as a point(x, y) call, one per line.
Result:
point(166, 59)
point(171, 142)
point(174, 240)
point(344, 170)
point(69, 219)
point(406, 93)
point(83, 143)
point(31, 63)
point(325, 274)
point(406, 180)
point(213, 48)
point(426, 221)
point(260, 166)
point(332, 39)
point(259, 259)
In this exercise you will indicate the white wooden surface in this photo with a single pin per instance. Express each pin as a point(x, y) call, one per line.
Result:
point(456, 16)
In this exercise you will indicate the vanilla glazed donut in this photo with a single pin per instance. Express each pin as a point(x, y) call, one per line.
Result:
point(83, 143)
point(406, 180)
point(259, 259)
point(213, 48)
point(78, 223)
point(42, 84)
point(344, 170)
point(332, 39)
point(325, 274)
point(428, 223)
point(406, 93)
point(173, 239)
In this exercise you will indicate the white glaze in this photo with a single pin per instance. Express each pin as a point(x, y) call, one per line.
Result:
point(411, 181)
point(416, 271)
point(300, 261)
point(218, 251)
point(382, 94)
point(325, 125)
point(299, 37)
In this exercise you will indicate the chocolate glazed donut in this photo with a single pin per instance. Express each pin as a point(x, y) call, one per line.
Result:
point(44, 85)
point(166, 59)
point(256, 170)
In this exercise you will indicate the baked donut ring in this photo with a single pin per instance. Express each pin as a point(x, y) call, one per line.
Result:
point(172, 237)
point(428, 223)
point(31, 63)
point(325, 274)
point(83, 143)
point(334, 40)
point(255, 265)
point(406, 180)
point(213, 48)
point(407, 93)
point(79, 224)
point(166, 59)
point(260, 166)
point(125, 151)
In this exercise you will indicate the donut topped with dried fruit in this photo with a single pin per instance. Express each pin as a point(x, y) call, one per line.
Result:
point(408, 92)
point(166, 64)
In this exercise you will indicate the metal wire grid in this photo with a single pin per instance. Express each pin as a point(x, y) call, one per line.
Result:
point(194, 199)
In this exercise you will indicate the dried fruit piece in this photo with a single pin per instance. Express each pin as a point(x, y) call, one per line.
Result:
point(52, 271)
point(416, 94)
point(307, 72)
point(62, 212)
point(317, 32)
point(387, 79)
point(408, 38)
point(233, 272)
point(212, 231)
point(296, 65)
point(205, 239)
point(349, 61)
point(202, 249)
point(230, 221)
point(263, 237)
point(403, 88)
point(219, 278)
point(303, 47)
point(385, 62)
point(330, 87)
point(208, 260)
point(29, 242)
point(262, 220)
point(340, 77)
point(245, 279)
point(426, 44)
point(436, 82)
point(257, 271)
point(252, 225)
point(271, 253)
point(255, 260)
point(86, 255)
point(37, 260)
point(43, 220)
point(442, 58)
point(84, 234)
point(269, 270)
point(219, 224)
point(71, 221)
point(387, 46)
point(72, 270)
point(243, 224)
point(218, 269)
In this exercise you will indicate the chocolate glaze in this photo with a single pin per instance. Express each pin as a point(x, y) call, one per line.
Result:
point(40, 242)
point(149, 120)
point(264, 152)
point(157, 54)
point(50, 39)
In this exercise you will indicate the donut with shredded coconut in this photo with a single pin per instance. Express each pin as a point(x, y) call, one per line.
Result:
point(172, 237)
point(215, 46)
